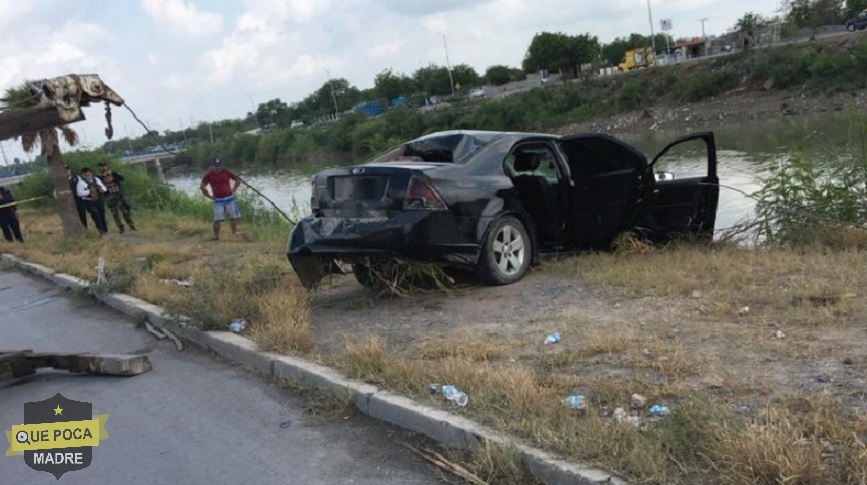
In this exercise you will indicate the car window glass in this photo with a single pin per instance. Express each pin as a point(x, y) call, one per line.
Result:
point(597, 156)
point(547, 167)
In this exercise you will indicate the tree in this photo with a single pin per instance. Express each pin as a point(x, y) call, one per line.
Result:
point(49, 143)
point(499, 75)
point(465, 76)
point(558, 51)
point(749, 23)
point(432, 80)
point(389, 85)
point(853, 7)
point(813, 13)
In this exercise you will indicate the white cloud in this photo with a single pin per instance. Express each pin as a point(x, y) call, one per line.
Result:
point(384, 49)
point(183, 17)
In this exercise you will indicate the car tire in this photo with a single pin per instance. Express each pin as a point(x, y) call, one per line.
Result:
point(506, 253)
point(362, 275)
point(850, 27)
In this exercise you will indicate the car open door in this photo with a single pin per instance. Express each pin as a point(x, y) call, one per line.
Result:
point(683, 207)
point(610, 185)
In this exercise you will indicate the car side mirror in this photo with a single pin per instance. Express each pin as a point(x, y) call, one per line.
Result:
point(660, 176)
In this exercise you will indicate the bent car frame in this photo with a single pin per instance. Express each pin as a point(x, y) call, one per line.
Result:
point(496, 203)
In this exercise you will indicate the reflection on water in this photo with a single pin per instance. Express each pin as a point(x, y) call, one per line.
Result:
point(744, 151)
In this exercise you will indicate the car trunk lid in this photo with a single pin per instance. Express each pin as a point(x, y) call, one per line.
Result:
point(367, 191)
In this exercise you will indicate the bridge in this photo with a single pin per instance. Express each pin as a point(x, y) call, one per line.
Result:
point(156, 163)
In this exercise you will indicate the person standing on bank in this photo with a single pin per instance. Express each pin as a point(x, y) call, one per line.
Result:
point(114, 197)
point(223, 195)
point(9, 217)
point(79, 204)
point(91, 190)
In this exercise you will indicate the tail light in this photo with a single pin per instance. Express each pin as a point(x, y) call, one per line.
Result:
point(420, 195)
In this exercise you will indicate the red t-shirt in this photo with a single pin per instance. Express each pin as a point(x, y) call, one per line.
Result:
point(219, 182)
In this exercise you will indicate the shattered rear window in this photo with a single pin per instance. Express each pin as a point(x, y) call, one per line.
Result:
point(455, 148)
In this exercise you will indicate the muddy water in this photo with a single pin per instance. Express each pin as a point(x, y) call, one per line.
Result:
point(745, 152)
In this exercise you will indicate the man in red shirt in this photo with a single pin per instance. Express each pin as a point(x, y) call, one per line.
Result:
point(223, 195)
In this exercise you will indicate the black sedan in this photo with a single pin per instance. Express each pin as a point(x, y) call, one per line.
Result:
point(497, 202)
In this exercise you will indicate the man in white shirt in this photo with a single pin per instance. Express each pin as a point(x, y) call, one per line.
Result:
point(91, 191)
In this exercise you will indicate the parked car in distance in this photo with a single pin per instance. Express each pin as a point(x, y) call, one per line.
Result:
point(858, 22)
point(476, 93)
point(495, 203)
point(296, 124)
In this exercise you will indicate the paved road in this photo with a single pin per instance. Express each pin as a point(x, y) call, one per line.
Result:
point(192, 420)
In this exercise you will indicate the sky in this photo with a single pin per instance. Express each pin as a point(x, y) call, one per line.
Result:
point(180, 62)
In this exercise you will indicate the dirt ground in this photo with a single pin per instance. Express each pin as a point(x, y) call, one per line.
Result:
point(665, 346)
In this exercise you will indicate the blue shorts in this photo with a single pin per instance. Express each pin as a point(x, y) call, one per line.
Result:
point(224, 206)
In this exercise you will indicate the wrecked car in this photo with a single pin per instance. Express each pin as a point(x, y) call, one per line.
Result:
point(495, 203)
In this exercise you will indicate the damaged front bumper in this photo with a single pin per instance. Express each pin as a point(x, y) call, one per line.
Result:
point(319, 246)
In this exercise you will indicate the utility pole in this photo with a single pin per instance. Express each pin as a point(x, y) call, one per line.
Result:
point(5, 160)
point(255, 113)
point(652, 39)
point(183, 130)
point(702, 26)
point(333, 96)
point(448, 65)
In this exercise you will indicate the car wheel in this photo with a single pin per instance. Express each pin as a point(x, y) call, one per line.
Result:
point(506, 253)
point(362, 274)
point(850, 27)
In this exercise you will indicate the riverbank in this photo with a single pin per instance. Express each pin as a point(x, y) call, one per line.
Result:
point(750, 350)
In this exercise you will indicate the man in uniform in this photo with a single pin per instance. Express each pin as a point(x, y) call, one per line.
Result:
point(117, 204)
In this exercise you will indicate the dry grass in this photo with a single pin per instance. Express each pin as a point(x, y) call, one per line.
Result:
point(676, 335)
point(231, 279)
point(729, 279)
point(804, 440)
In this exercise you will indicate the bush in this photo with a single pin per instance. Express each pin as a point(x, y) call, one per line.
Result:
point(705, 85)
point(808, 203)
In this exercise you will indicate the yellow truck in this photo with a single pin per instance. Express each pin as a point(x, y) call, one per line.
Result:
point(638, 57)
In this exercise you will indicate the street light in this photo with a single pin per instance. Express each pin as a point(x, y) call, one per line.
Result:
point(652, 40)
point(702, 26)
point(333, 97)
point(449, 66)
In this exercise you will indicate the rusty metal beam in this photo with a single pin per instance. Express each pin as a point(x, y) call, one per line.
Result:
point(17, 122)
point(22, 363)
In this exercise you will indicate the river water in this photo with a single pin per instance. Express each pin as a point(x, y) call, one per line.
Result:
point(745, 151)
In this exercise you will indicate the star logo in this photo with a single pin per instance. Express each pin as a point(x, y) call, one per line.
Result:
point(58, 410)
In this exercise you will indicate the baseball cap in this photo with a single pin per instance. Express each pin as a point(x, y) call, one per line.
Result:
point(217, 162)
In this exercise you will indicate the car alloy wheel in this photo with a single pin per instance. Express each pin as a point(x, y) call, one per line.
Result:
point(506, 254)
point(850, 27)
point(509, 250)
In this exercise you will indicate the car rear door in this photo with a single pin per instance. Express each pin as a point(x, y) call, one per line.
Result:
point(684, 207)
point(610, 184)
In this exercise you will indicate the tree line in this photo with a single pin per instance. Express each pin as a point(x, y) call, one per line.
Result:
point(556, 52)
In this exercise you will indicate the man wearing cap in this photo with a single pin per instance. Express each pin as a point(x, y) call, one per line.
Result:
point(114, 196)
point(9, 217)
point(223, 195)
point(91, 191)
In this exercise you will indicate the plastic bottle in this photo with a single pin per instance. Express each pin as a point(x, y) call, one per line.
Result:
point(237, 325)
point(657, 410)
point(576, 401)
point(454, 395)
point(552, 338)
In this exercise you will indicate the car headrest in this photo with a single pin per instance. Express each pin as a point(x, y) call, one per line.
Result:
point(526, 161)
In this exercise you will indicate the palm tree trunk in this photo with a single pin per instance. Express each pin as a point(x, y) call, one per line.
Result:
point(57, 172)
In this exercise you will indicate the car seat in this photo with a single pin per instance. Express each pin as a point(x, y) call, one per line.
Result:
point(536, 195)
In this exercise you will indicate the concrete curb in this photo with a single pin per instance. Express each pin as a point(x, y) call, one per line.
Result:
point(394, 409)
